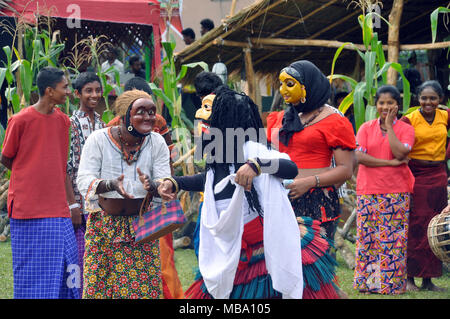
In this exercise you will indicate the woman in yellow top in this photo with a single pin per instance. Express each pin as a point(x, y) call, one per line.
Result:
point(428, 165)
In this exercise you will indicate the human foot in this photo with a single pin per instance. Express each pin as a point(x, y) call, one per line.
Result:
point(411, 286)
point(428, 285)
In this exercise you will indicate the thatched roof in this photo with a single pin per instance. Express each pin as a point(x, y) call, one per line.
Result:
point(303, 19)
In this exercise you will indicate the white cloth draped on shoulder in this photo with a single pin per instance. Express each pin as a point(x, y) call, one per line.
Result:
point(221, 233)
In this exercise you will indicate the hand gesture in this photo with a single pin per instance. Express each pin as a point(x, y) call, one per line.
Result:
point(299, 187)
point(165, 190)
point(391, 116)
point(396, 162)
point(118, 187)
point(149, 185)
point(244, 177)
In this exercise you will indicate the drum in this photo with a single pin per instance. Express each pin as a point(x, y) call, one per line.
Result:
point(439, 236)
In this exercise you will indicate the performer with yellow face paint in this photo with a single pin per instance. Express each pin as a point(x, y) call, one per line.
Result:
point(312, 132)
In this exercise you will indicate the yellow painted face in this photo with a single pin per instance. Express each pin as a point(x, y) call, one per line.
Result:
point(204, 112)
point(291, 90)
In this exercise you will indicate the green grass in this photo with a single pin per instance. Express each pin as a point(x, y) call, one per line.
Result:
point(186, 263)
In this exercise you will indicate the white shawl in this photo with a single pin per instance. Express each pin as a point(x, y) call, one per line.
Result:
point(221, 233)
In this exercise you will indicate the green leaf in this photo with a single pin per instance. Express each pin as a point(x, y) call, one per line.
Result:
point(434, 20)
point(411, 109)
point(15, 100)
point(345, 78)
point(370, 72)
point(371, 112)
point(185, 67)
point(346, 102)
point(2, 75)
point(358, 104)
point(107, 116)
point(26, 78)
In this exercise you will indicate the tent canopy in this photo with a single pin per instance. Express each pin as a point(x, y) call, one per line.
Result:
point(142, 13)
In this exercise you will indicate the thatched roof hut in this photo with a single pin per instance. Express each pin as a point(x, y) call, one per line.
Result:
point(273, 33)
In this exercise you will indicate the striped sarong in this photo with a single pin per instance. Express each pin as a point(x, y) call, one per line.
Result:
point(44, 257)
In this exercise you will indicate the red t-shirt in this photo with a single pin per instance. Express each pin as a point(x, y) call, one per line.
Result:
point(313, 146)
point(385, 179)
point(38, 144)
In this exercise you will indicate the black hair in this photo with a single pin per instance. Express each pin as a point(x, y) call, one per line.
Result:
point(137, 83)
point(206, 82)
point(188, 32)
point(48, 77)
point(133, 59)
point(338, 96)
point(208, 24)
point(83, 79)
point(236, 110)
point(392, 91)
point(432, 84)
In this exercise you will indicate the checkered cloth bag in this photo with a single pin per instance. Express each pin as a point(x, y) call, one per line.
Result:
point(158, 221)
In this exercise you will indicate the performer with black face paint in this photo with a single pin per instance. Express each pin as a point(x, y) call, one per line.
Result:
point(251, 245)
point(312, 132)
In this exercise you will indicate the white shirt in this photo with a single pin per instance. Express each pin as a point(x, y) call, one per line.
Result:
point(117, 65)
point(101, 159)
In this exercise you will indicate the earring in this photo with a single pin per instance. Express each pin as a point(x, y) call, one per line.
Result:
point(303, 100)
point(129, 128)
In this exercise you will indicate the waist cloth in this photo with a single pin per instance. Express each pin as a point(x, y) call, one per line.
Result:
point(428, 199)
point(44, 257)
point(114, 265)
point(252, 280)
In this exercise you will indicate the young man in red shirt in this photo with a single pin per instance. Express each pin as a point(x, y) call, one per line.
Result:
point(35, 149)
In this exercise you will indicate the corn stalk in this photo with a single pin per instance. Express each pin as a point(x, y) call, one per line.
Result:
point(375, 67)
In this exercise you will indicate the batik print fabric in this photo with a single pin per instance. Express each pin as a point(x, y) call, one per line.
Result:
point(114, 265)
point(382, 228)
point(81, 128)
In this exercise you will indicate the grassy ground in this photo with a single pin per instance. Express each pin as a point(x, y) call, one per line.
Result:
point(186, 264)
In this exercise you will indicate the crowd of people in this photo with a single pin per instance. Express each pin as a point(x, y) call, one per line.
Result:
point(270, 207)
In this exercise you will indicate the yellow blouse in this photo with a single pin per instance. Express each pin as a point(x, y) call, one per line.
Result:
point(430, 139)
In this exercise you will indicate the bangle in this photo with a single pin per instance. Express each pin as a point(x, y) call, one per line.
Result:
point(74, 205)
point(317, 180)
point(256, 164)
point(174, 182)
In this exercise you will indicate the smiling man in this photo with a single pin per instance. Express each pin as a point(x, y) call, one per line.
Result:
point(42, 237)
point(84, 121)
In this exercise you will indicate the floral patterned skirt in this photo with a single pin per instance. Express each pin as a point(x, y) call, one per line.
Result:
point(382, 229)
point(114, 265)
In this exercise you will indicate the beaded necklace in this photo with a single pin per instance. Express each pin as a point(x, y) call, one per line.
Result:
point(131, 156)
point(313, 117)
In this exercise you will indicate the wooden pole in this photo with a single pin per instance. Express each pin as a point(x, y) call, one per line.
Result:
point(250, 74)
point(393, 38)
point(233, 7)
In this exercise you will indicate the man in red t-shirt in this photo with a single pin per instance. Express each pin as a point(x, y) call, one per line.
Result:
point(35, 149)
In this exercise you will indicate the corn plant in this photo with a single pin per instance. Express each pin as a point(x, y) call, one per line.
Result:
point(375, 67)
point(171, 97)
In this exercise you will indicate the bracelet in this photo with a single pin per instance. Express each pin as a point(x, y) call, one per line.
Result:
point(174, 182)
point(74, 205)
point(317, 180)
point(256, 164)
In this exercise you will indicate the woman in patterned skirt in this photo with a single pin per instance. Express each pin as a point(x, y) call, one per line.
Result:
point(383, 188)
point(111, 164)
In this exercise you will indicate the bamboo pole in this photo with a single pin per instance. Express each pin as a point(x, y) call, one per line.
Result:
point(250, 75)
point(393, 38)
point(233, 7)
point(261, 42)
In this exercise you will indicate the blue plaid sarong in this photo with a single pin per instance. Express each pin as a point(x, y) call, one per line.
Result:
point(44, 257)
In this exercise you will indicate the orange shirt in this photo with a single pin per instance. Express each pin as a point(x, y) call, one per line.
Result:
point(430, 139)
point(313, 146)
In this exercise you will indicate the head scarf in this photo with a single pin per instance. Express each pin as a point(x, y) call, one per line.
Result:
point(123, 107)
point(318, 91)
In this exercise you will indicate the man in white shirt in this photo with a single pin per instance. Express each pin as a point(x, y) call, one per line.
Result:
point(111, 56)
